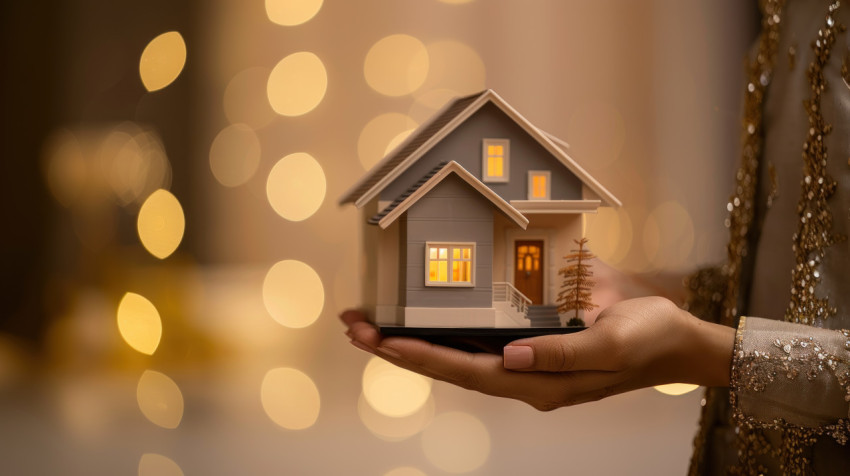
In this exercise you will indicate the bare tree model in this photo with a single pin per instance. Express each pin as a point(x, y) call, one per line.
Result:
point(575, 290)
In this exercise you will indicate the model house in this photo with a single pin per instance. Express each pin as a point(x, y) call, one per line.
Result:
point(469, 220)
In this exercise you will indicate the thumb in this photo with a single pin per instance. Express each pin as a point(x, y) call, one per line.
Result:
point(584, 350)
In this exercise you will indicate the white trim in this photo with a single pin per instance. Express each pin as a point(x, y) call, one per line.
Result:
point(450, 246)
point(548, 183)
point(474, 106)
point(506, 160)
point(556, 206)
point(454, 167)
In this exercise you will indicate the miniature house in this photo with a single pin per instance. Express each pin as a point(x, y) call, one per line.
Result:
point(470, 218)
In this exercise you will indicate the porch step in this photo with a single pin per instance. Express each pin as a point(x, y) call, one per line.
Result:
point(543, 316)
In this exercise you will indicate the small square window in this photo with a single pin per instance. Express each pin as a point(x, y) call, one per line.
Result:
point(539, 185)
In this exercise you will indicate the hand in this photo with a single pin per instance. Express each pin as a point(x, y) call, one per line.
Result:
point(633, 344)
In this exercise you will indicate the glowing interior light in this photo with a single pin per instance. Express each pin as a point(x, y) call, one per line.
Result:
point(456, 442)
point(676, 388)
point(292, 12)
point(152, 464)
point(162, 60)
point(395, 428)
point(396, 65)
point(160, 399)
point(393, 391)
point(296, 186)
point(139, 323)
point(161, 223)
point(235, 155)
point(293, 294)
point(297, 84)
point(290, 398)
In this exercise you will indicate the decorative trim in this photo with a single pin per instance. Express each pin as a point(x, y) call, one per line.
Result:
point(556, 206)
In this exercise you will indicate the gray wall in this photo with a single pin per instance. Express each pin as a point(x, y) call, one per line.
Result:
point(463, 145)
point(454, 212)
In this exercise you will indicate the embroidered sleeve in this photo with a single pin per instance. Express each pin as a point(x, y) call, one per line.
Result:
point(787, 375)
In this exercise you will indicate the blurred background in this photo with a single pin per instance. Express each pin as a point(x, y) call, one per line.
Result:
point(174, 259)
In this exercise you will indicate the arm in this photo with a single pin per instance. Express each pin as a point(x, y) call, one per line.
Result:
point(633, 344)
point(791, 374)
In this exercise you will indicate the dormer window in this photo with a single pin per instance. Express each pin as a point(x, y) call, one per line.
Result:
point(539, 186)
point(496, 160)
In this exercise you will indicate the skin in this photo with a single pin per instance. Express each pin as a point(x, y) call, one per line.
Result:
point(632, 344)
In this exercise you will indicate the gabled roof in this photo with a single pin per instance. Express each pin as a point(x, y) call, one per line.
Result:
point(441, 125)
point(397, 208)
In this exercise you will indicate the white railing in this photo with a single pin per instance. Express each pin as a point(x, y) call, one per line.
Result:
point(506, 292)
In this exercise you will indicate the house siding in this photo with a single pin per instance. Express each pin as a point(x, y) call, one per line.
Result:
point(463, 145)
point(451, 212)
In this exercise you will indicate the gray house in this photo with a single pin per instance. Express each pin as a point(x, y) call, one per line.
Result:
point(472, 215)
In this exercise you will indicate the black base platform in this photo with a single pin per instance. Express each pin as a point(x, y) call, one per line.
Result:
point(474, 339)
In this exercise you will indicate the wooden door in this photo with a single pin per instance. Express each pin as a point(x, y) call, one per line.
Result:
point(528, 269)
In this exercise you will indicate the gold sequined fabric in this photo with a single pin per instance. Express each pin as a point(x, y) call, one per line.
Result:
point(788, 257)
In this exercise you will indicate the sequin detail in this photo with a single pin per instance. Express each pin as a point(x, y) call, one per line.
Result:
point(814, 228)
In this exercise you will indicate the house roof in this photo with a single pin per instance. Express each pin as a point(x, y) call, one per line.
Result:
point(386, 217)
point(442, 124)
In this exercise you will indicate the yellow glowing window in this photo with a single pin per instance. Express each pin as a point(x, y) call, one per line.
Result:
point(539, 185)
point(495, 160)
point(450, 264)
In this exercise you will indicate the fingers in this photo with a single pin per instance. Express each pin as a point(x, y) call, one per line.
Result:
point(591, 349)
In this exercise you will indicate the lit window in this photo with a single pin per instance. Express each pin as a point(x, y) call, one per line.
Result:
point(539, 186)
point(450, 264)
point(495, 163)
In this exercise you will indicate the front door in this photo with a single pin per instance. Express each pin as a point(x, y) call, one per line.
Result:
point(528, 269)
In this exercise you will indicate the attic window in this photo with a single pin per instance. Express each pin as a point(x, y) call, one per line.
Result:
point(449, 264)
point(539, 186)
point(495, 160)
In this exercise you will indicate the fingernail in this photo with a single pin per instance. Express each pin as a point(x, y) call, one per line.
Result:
point(362, 346)
point(389, 352)
point(518, 357)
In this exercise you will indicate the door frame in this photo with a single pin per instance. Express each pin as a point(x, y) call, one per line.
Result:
point(511, 237)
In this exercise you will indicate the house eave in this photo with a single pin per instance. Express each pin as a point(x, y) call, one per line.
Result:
point(552, 207)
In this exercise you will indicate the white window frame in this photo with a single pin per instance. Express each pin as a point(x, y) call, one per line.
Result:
point(506, 160)
point(450, 245)
point(544, 173)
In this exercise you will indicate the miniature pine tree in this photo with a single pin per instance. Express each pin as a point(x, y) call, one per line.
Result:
point(575, 290)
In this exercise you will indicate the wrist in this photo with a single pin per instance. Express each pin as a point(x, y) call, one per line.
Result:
point(711, 352)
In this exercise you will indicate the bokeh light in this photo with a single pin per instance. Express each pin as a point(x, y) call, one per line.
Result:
point(139, 323)
point(393, 391)
point(290, 398)
point(160, 399)
point(378, 135)
point(456, 442)
point(396, 65)
point(161, 223)
point(162, 60)
point(405, 471)
point(668, 236)
point(297, 84)
point(65, 167)
point(454, 66)
point(245, 100)
point(676, 389)
point(292, 12)
point(235, 155)
point(610, 233)
point(597, 132)
point(152, 464)
point(296, 186)
point(428, 102)
point(293, 294)
point(395, 428)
